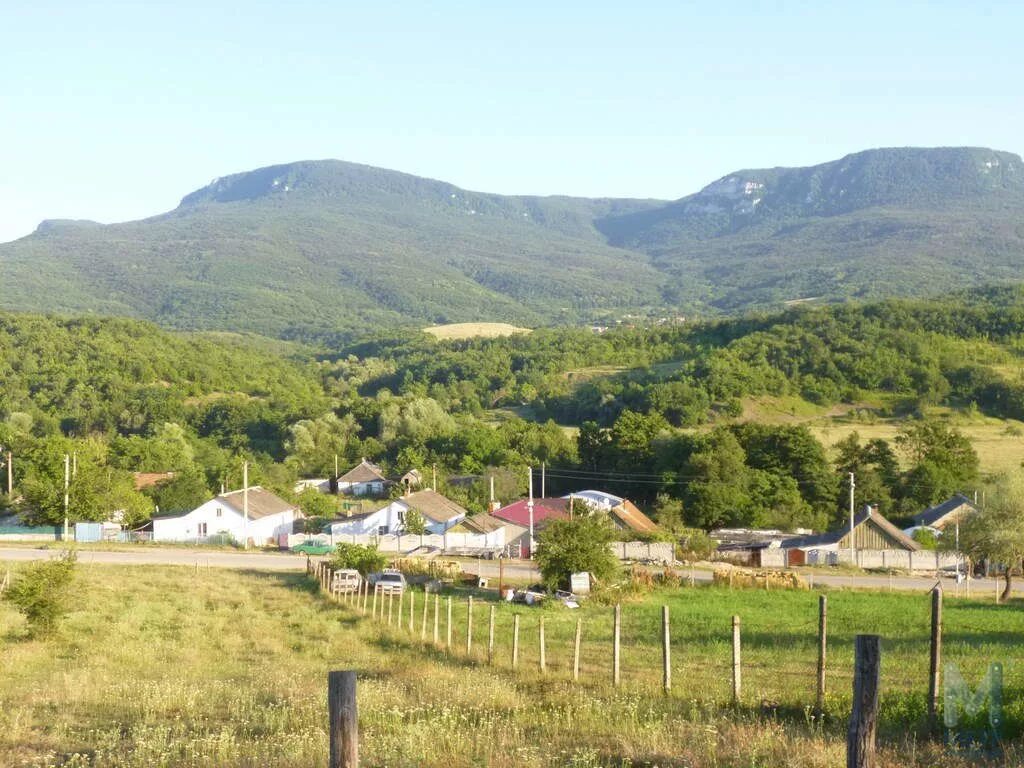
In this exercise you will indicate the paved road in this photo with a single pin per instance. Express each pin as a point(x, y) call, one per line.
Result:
point(517, 570)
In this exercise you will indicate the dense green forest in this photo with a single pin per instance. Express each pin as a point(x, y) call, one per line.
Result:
point(654, 412)
point(328, 251)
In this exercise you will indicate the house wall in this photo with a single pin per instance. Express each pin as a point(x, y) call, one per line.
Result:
point(221, 519)
point(374, 488)
point(868, 536)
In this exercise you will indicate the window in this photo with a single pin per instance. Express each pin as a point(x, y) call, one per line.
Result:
point(219, 511)
point(401, 516)
point(202, 529)
point(382, 530)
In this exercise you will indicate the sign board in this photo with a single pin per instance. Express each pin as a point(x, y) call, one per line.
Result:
point(579, 583)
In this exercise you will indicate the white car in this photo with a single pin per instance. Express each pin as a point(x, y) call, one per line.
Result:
point(390, 582)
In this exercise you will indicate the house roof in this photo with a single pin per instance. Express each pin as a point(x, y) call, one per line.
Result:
point(481, 523)
point(600, 498)
point(433, 506)
point(862, 517)
point(934, 516)
point(363, 472)
point(633, 518)
point(262, 503)
point(543, 509)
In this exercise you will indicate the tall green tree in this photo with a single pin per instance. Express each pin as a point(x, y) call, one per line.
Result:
point(996, 532)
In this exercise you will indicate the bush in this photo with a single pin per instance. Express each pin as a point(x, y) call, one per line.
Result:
point(695, 544)
point(566, 547)
point(41, 593)
point(364, 559)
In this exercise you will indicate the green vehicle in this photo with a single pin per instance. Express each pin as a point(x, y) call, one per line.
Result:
point(313, 549)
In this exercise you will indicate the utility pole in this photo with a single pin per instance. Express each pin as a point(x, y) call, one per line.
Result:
point(67, 498)
point(433, 484)
point(543, 480)
point(853, 555)
point(245, 502)
point(572, 498)
point(529, 508)
point(10, 475)
point(490, 507)
point(335, 466)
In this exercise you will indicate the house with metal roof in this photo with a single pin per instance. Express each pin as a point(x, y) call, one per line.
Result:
point(871, 531)
point(623, 513)
point(248, 515)
point(439, 512)
point(949, 512)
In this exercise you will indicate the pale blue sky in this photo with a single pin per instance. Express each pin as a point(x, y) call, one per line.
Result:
point(114, 111)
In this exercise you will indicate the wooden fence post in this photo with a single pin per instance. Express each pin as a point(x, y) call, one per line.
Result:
point(576, 650)
point(426, 604)
point(366, 594)
point(935, 657)
point(375, 591)
point(391, 604)
point(616, 632)
point(490, 637)
point(543, 658)
point(736, 664)
point(344, 719)
point(448, 644)
point(401, 600)
point(412, 611)
point(860, 737)
point(437, 614)
point(469, 626)
point(819, 706)
point(666, 649)
point(515, 641)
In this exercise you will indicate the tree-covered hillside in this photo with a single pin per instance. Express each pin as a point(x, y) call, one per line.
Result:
point(328, 251)
point(658, 413)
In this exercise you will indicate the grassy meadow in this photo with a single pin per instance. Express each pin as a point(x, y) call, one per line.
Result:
point(168, 667)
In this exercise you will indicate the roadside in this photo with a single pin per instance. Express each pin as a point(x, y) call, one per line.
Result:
point(518, 571)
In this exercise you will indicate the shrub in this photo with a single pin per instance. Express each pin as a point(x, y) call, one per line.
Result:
point(362, 558)
point(570, 546)
point(41, 593)
point(695, 544)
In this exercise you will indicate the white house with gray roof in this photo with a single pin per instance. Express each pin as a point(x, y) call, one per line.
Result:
point(258, 516)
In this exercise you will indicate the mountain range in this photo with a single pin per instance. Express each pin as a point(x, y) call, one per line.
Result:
point(326, 249)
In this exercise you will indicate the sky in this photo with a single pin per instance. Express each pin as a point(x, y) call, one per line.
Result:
point(114, 111)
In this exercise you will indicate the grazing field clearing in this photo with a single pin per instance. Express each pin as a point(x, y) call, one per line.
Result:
point(170, 667)
point(473, 330)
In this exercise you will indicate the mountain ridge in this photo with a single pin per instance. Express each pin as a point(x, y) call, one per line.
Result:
point(316, 249)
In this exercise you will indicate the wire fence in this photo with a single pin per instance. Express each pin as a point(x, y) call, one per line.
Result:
point(778, 649)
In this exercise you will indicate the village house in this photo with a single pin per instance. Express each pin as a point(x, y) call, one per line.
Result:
point(364, 479)
point(257, 516)
point(948, 513)
point(517, 516)
point(622, 513)
point(871, 533)
point(439, 513)
point(490, 530)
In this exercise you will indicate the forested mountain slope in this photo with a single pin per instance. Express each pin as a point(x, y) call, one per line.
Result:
point(328, 250)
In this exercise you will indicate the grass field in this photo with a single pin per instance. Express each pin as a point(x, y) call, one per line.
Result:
point(168, 667)
point(473, 330)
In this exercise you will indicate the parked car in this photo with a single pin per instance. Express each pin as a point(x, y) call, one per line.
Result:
point(390, 582)
point(346, 581)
